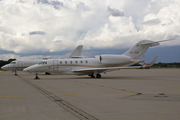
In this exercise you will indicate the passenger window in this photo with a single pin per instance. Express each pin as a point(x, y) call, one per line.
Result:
point(66, 62)
point(81, 61)
point(13, 63)
point(71, 62)
point(42, 63)
point(60, 62)
point(76, 62)
point(86, 61)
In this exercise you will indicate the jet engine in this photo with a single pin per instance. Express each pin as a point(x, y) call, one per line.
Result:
point(114, 59)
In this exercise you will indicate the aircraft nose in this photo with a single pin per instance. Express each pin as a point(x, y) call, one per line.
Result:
point(4, 67)
point(26, 70)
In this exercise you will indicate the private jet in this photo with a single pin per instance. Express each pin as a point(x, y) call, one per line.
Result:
point(19, 65)
point(94, 66)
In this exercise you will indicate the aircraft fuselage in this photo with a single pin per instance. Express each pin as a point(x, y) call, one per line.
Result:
point(69, 66)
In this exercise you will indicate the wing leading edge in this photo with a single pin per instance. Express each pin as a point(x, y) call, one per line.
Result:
point(99, 70)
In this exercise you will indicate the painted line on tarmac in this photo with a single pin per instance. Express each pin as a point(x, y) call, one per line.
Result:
point(167, 91)
point(61, 95)
point(9, 96)
point(117, 92)
point(82, 115)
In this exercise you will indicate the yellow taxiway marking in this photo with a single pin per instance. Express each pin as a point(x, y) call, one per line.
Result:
point(117, 92)
point(9, 96)
point(61, 95)
point(167, 91)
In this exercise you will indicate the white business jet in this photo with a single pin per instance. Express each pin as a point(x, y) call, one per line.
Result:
point(19, 65)
point(94, 66)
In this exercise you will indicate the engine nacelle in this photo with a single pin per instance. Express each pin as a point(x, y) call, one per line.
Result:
point(114, 59)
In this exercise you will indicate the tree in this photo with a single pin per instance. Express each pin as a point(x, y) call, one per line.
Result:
point(2, 62)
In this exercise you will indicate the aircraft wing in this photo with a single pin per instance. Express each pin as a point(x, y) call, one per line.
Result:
point(99, 70)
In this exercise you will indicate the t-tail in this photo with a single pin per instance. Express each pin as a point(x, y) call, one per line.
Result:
point(137, 51)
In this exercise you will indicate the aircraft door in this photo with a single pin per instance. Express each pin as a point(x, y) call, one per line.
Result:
point(19, 65)
point(55, 65)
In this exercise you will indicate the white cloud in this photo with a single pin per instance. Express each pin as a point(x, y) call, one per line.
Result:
point(40, 26)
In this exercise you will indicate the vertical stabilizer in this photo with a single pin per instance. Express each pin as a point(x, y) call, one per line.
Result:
point(137, 51)
point(76, 52)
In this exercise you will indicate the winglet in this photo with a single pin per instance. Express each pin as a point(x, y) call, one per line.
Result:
point(150, 64)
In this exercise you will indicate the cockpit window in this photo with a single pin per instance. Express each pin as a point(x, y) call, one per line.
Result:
point(13, 63)
point(42, 63)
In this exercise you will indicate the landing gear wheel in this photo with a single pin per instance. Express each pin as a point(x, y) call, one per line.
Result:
point(92, 76)
point(98, 76)
point(47, 73)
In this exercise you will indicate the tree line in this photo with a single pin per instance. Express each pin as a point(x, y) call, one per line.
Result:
point(2, 62)
point(166, 65)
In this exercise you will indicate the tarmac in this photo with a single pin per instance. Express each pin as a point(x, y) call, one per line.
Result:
point(128, 94)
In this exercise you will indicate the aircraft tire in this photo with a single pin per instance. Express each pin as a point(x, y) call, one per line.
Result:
point(47, 73)
point(98, 76)
point(92, 76)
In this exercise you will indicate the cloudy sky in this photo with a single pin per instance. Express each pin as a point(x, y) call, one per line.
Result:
point(31, 29)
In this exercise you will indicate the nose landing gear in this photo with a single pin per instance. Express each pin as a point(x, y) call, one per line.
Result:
point(36, 77)
point(15, 73)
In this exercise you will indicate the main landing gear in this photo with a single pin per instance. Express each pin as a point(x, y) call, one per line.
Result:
point(97, 76)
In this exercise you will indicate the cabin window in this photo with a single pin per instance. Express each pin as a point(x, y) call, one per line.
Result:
point(76, 62)
point(60, 62)
point(81, 61)
point(42, 63)
point(13, 62)
point(86, 61)
point(65, 62)
point(71, 62)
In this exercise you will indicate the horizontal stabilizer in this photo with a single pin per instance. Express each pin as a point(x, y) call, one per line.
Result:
point(151, 43)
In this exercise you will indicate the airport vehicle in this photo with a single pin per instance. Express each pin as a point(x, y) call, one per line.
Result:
point(19, 65)
point(94, 66)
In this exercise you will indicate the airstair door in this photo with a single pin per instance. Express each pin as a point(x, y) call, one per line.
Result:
point(55, 65)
